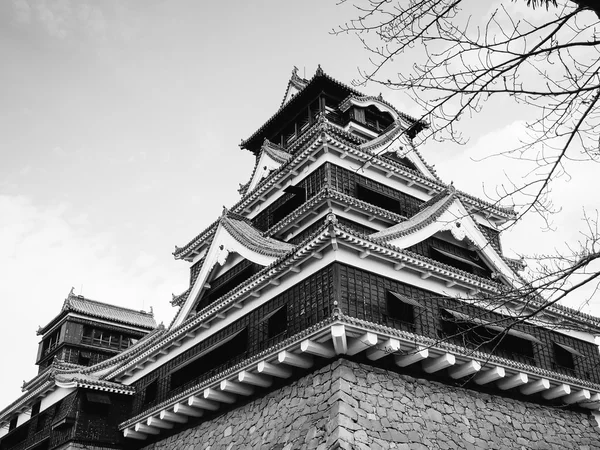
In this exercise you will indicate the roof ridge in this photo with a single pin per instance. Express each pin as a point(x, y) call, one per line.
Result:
point(296, 81)
point(319, 73)
point(110, 305)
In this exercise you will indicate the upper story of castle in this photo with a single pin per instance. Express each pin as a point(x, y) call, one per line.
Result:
point(344, 242)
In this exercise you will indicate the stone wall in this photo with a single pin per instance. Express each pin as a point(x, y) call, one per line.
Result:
point(353, 406)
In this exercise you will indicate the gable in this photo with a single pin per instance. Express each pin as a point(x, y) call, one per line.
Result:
point(234, 235)
point(446, 232)
point(270, 158)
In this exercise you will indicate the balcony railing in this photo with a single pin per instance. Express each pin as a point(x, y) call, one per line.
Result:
point(51, 347)
point(104, 342)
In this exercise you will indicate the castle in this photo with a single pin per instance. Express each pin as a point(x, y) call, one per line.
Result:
point(350, 299)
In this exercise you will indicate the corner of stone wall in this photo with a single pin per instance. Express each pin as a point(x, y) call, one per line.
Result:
point(343, 419)
point(595, 420)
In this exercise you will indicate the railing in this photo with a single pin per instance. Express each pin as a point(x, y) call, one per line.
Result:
point(50, 348)
point(105, 343)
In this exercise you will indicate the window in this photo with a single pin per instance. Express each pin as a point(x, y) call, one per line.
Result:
point(359, 115)
point(400, 308)
point(84, 358)
point(479, 334)
point(51, 342)
point(293, 202)
point(378, 199)
point(104, 338)
point(227, 282)
point(212, 359)
point(277, 322)
point(98, 403)
point(466, 263)
point(564, 356)
point(151, 392)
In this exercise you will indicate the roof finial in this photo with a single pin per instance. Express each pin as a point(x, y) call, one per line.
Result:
point(71, 291)
point(151, 311)
point(451, 188)
point(319, 71)
point(295, 72)
point(225, 211)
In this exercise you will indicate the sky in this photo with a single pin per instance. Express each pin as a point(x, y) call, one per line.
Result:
point(119, 130)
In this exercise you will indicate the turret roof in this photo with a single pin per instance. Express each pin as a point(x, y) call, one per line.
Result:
point(80, 304)
point(242, 231)
point(305, 86)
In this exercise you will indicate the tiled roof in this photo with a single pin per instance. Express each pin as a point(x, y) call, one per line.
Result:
point(419, 260)
point(434, 184)
point(101, 310)
point(242, 231)
point(178, 300)
point(295, 81)
point(444, 344)
point(275, 152)
point(313, 329)
point(82, 305)
point(314, 133)
point(318, 74)
point(327, 193)
point(144, 349)
point(346, 103)
point(419, 220)
point(92, 382)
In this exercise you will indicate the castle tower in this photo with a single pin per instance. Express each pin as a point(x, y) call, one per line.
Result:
point(351, 299)
point(87, 332)
point(67, 401)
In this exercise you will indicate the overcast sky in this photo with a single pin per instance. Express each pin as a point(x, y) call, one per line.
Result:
point(119, 130)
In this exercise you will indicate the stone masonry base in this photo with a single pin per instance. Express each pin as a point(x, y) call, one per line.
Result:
point(346, 405)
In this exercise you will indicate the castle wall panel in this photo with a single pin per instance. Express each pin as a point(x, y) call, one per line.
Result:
point(354, 406)
point(346, 181)
point(312, 185)
point(363, 295)
point(308, 302)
